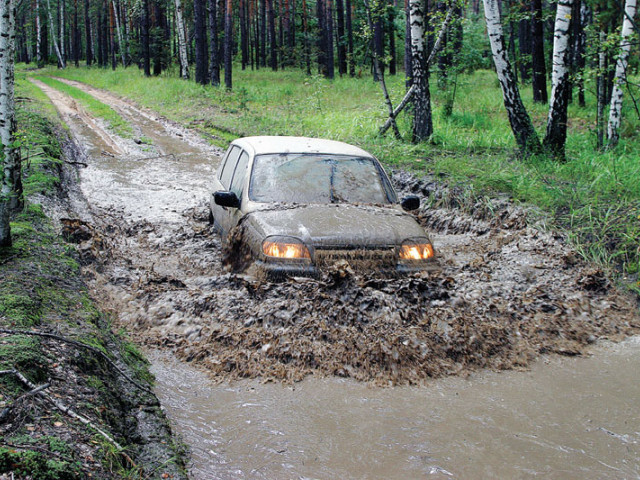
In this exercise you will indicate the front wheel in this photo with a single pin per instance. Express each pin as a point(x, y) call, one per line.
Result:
point(211, 219)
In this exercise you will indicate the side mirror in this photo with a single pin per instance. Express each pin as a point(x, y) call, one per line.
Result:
point(226, 199)
point(410, 202)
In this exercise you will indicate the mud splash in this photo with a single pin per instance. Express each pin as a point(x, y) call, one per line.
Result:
point(507, 292)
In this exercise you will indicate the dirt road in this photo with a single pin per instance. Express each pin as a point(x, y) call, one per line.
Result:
point(507, 291)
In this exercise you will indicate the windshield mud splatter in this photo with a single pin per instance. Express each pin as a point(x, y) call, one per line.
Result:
point(506, 291)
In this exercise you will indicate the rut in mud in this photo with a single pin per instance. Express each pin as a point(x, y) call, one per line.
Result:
point(507, 291)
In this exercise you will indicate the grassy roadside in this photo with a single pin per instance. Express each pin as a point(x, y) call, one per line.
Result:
point(593, 197)
point(41, 291)
point(97, 108)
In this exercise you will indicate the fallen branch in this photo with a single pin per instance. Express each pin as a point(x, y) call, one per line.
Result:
point(66, 410)
point(79, 345)
point(5, 412)
point(409, 95)
point(39, 449)
point(76, 163)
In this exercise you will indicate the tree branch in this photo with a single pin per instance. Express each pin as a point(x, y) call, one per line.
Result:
point(409, 95)
point(79, 345)
point(64, 409)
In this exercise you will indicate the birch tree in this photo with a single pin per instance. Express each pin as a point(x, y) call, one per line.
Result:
point(9, 159)
point(422, 119)
point(119, 33)
point(521, 126)
point(182, 42)
point(555, 139)
point(61, 61)
point(615, 110)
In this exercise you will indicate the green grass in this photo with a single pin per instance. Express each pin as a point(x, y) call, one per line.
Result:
point(94, 106)
point(594, 196)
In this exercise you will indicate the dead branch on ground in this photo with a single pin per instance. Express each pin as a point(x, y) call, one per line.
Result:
point(79, 345)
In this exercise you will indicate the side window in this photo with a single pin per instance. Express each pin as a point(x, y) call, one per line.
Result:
point(229, 166)
point(240, 174)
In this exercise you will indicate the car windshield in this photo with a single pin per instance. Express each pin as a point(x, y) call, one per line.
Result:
point(316, 178)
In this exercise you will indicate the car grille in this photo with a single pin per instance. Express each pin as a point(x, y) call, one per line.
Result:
point(357, 258)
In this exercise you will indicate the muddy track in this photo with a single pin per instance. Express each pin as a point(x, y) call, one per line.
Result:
point(507, 291)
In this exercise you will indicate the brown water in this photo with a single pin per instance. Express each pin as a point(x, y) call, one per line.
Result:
point(566, 418)
point(507, 293)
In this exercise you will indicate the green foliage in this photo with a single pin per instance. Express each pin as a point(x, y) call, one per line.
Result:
point(35, 464)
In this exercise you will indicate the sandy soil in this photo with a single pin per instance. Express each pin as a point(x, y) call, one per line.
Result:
point(507, 292)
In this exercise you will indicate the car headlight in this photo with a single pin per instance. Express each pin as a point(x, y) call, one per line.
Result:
point(418, 249)
point(285, 247)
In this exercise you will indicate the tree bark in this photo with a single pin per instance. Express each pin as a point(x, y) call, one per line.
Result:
point(39, 54)
point(199, 18)
point(146, 47)
point(228, 45)
point(273, 41)
point(349, 21)
point(556, 137)
point(521, 126)
point(9, 154)
point(61, 62)
point(615, 109)
point(422, 118)
point(119, 32)
point(182, 42)
point(601, 89)
point(538, 66)
point(214, 71)
point(61, 33)
point(330, 69)
point(342, 51)
point(524, 45)
point(307, 46)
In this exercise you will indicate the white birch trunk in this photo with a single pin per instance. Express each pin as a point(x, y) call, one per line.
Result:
point(521, 125)
point(38, 35)
point(9, 160)
point(182, 42)
point(556, 136)
point(53, 36)
point(119, 33)
point(615, 110)
point(61, 29)
point(422, 121)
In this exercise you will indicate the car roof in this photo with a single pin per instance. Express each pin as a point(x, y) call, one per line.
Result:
point(281, 144)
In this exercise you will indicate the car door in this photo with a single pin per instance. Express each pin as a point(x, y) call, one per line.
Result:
point(225, 175)
point(237, 186)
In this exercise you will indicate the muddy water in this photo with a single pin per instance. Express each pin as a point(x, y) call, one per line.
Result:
point(569, 418)
point(507, 293)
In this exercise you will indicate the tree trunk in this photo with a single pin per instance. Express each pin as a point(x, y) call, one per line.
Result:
point(263, 33)
point(87, 31)
point(244, 44)
point(407, 47)
point(321, 43)
point(538, 66)
point(273, 41)
point(199, 18)
point(392, 40)
point(9, 156)
point(76, 35)
point(61, 15)
point(422, 119)
point(330, 70)
point(307, 46)
point(39, 53)
point(342, 51)
point(524, 44)
point(556, 137)
point(182, 42)
point(521, 125)
point(378, 39)
point(61, 62)
point(214, 72)
point(228, 44)
point(615, 110)
point(116, 16)
point(601, 89)
point(350, 56)
point(146, 41)
point(112, 36)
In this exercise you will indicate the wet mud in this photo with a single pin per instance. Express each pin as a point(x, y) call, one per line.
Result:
point(507, 290)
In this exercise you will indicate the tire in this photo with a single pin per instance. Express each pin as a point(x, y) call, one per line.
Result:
point(212, 220)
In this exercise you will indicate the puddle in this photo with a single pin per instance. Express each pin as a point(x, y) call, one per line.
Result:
point(575, 418)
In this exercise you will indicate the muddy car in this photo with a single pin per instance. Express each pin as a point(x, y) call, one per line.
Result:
point(297, 205)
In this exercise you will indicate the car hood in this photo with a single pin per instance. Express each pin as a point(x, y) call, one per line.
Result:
point(338, 224)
